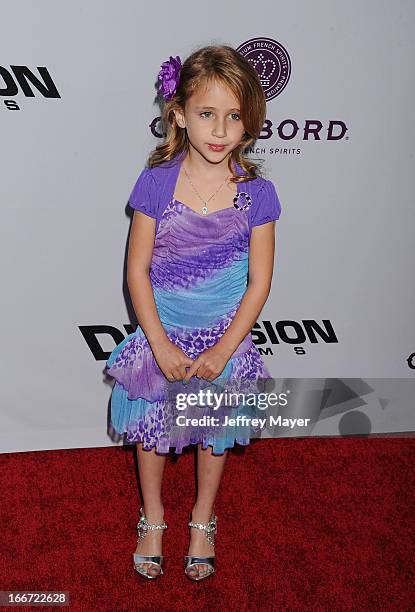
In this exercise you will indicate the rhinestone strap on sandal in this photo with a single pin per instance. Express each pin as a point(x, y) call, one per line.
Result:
point(191, 562)
point(143, 526)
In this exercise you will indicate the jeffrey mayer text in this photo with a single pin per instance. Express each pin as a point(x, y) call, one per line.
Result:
point(211, 421)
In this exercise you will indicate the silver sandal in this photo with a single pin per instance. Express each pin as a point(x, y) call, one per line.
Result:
point(143, 526)
point(210, 530)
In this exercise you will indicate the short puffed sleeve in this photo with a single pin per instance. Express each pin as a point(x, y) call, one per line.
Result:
point(268, 207)
point(143, 196)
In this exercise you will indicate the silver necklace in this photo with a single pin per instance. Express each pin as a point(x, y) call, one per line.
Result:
point(204, 208)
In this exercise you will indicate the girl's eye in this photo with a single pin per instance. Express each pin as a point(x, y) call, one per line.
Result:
point(209, 112)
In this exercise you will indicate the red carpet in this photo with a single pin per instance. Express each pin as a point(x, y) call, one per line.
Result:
point(308, 523)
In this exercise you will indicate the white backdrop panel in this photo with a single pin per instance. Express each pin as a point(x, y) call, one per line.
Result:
point(344, 239)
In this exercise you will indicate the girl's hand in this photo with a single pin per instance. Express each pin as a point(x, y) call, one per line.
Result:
point(208, 365)
point(171, 360)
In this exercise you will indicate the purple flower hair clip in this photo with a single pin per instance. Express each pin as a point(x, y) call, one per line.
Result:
point(169, 77)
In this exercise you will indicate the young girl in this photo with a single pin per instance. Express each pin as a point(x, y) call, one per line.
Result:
point(200, 263)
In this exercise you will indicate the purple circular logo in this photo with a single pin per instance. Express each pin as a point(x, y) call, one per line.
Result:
point(271, 61)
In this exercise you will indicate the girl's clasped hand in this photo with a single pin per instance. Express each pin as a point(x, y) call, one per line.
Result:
point(172, 361)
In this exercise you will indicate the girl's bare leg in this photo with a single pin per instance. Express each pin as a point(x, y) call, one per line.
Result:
point(209, 473)
point(151, 468)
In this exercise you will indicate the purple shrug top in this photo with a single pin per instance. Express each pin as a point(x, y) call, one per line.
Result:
point(155, 187)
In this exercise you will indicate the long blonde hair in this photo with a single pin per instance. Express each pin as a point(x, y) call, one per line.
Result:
point(227, 66)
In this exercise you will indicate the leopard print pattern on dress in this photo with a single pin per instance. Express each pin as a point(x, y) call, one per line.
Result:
point(155, 426)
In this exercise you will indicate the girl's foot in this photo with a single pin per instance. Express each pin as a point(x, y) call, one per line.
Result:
point(152, 543)
point(199, 546)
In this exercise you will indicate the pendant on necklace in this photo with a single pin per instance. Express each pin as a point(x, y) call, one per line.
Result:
point(204, 210)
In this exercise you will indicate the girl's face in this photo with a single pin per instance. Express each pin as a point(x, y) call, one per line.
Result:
point(212, 117)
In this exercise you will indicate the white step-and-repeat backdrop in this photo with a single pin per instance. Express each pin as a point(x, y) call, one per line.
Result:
point(78, 118)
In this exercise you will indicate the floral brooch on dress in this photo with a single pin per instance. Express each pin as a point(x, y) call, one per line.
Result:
point(245, 203)
point(169, 77)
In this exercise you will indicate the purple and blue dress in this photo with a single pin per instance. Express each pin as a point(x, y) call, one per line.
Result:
point(199, 274)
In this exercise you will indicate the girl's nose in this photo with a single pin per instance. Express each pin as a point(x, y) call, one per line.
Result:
point(219, 128)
